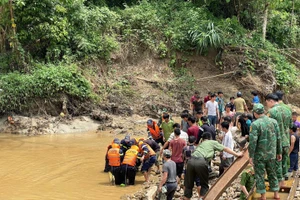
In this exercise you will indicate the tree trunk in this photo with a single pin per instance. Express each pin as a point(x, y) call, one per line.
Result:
point(13, 25)
point(293, 14)
point(265, 22)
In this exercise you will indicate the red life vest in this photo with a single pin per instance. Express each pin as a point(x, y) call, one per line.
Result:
point(113, 156)
point(155, 132)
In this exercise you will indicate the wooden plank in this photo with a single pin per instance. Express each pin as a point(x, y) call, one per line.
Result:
point(228, 177)
point(294, 187)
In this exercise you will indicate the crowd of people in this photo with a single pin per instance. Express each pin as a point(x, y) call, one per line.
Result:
point(209, 126)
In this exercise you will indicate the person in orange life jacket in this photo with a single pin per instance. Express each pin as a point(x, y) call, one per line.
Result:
point(148, 158)
point(125, 143)
point(129, 163)
point(115, 156)
point(154, 130)
point(155, 148)
point(107, 167)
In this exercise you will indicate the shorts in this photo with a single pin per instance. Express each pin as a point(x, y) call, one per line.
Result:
point(179, 169)
point(147, 164)
point(227, 162)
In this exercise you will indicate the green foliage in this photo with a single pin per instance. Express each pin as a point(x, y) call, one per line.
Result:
point(44, 82)
point(207, 36)
point(281, 31)
point(53, 30)
point(141, 24)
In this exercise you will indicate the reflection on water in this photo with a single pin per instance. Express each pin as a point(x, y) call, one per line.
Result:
point(57, 167)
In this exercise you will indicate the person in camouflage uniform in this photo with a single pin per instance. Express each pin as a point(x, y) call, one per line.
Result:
point(280, 100)
point(247, 182)
point(283, 116)
point(264, 148)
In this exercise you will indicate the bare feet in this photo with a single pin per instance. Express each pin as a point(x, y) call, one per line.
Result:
point(281, 184)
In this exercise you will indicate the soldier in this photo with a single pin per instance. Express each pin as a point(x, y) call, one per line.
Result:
point(284, 119)
point(280, 95)
point(247, 182)
point(264, 148)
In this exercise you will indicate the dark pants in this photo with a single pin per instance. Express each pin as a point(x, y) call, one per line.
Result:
point(212, 119)
point(171, 188)
point(196, 167)
point(179, 169)
point(117, 172)
point(128, 172)
point(107, 167)
point(293, 162)
point(160, 140)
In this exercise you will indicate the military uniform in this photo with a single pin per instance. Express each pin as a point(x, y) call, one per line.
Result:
point(283, 116)
point(247, 180)
point(264, 145)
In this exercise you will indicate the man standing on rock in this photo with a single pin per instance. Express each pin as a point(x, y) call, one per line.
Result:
point(284, 119)
point(197, 166)
point(280, 95)
point(212, 110)
point(240, 104)
point(176, 147)
point(154, 130)
point(193, 98)
point(264, 148)
point(168, 180)
point(183, 135)
point(193, 129)
point(167, 126)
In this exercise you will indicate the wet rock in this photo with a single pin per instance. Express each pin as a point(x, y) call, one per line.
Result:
point(151, 192)
point(100, 116)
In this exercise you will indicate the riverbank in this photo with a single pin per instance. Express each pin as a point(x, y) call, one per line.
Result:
point(43, 125)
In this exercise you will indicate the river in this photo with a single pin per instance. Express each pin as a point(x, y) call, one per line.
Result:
point(57, 167)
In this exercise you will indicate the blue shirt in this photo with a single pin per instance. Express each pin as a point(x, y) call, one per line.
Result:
point(220, 104)
point(248, 122)
point(255, 99)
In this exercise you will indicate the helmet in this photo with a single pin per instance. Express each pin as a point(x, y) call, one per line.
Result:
point(135, 147)
point(149, 122)
point(116, 140)
point(238, 94)
point(114, 145)
point(141, 143)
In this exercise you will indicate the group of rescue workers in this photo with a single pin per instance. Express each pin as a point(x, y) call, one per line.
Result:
point(188, 148)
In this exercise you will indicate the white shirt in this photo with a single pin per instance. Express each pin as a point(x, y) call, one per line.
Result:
point(228, 142)
point(183, 135)
point(212, 108)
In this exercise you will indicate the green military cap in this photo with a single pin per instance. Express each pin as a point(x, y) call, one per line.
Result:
point(259, 108)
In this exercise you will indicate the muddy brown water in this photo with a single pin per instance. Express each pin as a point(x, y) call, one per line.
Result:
point(57, 167)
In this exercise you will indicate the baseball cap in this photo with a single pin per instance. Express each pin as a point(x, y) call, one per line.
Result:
point(259, 108)
point(167, 153)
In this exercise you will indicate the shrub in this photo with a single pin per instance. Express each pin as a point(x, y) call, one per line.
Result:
point(45, 82)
